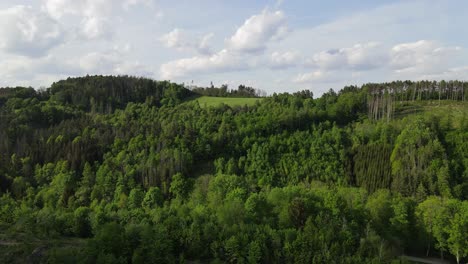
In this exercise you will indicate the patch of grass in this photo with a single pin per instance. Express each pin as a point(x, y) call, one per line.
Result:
point(207, 101)
point(455, 110)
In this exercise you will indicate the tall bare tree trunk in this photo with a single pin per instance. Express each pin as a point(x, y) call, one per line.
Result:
point(463, 92)
point(440, 90)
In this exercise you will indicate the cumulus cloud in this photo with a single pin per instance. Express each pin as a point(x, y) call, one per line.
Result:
point(130, 3)
point(239, 54)
point(224, 60)
point(95, 27)
point(28, 32)
point(258, 30)
point(456, 73)
point(421, 57)
point(21, 70)
point(58, 8)
point(281, 60)
point(110, 63)
point(94, 15)
point(98, 63)
point(318, 75)
point(183, 40)
point(344, 61)
point(359, 57)
point(114, 61)
point(11, 69)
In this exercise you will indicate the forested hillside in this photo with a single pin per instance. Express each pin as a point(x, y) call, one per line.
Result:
point(129, 170)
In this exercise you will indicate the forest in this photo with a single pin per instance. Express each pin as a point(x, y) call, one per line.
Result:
point(120, 169)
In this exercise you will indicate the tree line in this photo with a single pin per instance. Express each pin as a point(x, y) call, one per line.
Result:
point(224, 91)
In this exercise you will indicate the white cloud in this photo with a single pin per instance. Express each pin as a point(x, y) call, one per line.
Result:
point(421, 57)
point(173, 39)
point(111, 63)
point(98, 63)
point(311, 76)
point(415, 60)
point(28, 32)
point(94, 15)
point(366, 56)
point(204, 46)
point(456, 73)
point(335, 64)
point(330, 59)
point(258, 30)
point(58, 8)
point(21, 70)
point(224, 60)
point(159, 14)
point(10, 69)
point(95, 27)
point(281, 60)
point(359, 57)
point(134, 68)
point(127, 4)
point(114, 61)
point(239, 54)
point(183, 40)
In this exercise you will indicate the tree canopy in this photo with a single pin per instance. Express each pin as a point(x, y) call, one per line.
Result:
point(119, 169)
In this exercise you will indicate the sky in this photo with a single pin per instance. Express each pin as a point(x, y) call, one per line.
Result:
point(273, 45)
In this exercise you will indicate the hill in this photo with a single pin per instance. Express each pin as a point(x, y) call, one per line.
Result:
point(118, 169)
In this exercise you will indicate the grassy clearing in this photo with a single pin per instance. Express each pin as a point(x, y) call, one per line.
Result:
point(456, 110)
point(207, 101)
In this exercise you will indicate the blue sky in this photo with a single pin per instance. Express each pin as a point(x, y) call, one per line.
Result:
point(272, 45)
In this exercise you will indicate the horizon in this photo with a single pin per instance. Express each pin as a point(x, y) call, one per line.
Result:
point(275, 46)
point(233, 88)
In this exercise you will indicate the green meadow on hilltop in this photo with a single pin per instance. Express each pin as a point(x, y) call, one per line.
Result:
point(230, 101)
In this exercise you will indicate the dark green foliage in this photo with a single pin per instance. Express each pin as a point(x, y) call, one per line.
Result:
point(372, 167)
point(104, 94)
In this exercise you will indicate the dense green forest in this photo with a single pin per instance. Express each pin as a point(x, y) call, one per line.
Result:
point(103, 169)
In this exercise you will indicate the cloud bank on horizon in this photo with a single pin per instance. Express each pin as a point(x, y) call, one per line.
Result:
point(273, 45)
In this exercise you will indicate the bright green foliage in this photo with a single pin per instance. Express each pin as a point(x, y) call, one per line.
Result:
point(85, 188)
point(153, 198)
point(180, 186)
point(419, 158)
point(457, 232)
point(135, 198)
